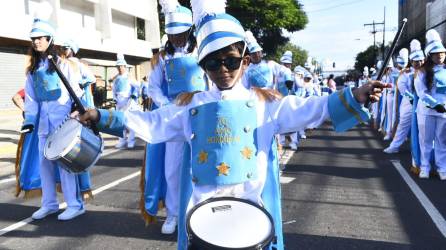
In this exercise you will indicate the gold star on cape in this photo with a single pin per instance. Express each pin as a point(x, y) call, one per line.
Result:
point(223, 169)
point(246, 153)
point(202, 157)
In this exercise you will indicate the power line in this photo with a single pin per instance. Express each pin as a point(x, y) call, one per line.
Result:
point(334, 6)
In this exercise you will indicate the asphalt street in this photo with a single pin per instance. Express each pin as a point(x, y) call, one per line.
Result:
point(339, 191)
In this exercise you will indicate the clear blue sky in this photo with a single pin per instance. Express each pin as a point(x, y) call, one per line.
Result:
point(335, 29)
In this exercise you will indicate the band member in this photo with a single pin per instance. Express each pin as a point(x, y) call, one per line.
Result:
point(387, 108)
point(260, 73)
point(404, 83)
point(47, 104)
point(70, 50)
point(417, 60)
point(430, 85)
point(125, 93)
point(176, 72)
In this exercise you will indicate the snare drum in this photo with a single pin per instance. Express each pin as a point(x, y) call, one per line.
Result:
point(229, 223)
point(73, 146)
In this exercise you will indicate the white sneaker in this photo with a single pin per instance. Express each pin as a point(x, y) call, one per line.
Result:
point(169, 225)
point(424, 174)
point(70, 213)
point(43, 212)
point(121, 144)
point(390, 150)
point(386, 138)
point(442, 176)
point(293, 146)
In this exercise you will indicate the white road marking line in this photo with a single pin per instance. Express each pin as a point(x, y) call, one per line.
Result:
point(108, 152)
point(286, 180)
point(7, 180)
point(435, 215)
point(63, 205)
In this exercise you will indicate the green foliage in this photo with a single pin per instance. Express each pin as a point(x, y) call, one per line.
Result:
point(299, 55)
point(365, 58)
point(267, 19)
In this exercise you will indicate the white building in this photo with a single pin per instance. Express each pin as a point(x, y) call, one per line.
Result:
point(102, 28)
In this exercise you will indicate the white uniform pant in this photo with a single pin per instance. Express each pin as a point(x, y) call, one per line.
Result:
point(172, 169)
point(404, 124)
point(432, 133)
point(389, 113)
point(69, 183)
point(129, 135)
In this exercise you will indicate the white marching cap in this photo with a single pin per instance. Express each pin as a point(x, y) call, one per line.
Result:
point(287, 57)
point(434, 43)
point(177, 18)
point(120, 60)
point(403, 57)
point(253, 45)
point(41, 25)
point(215, 28)
point(416, 53)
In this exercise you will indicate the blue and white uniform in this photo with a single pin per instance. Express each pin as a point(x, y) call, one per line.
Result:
point(44, 90)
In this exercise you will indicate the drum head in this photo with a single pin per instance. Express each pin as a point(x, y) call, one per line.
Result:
point(63, 139)
point(231, 223)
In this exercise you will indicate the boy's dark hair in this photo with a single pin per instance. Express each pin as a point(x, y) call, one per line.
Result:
point(36, 56)
point(240, 46)
point(191, 41)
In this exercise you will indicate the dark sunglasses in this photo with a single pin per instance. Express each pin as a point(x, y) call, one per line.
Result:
point(231, 63)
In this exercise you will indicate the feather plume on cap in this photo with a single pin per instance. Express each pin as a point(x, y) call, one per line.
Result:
point(432, 35)
point(202, 8)
point(120, 56)
point(43, 11)
point(366, 68)
point(415, 45)
point(168, 6)
point(404, 54)
point(250, 38)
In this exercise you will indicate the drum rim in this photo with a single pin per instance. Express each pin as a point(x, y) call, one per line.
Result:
point(68, 148)
point(261, 244)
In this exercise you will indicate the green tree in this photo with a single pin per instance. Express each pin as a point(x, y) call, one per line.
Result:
point(365, 58)
point(299, 55)
point(267, 19)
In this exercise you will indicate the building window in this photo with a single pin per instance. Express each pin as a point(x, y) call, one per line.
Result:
point(140, 29)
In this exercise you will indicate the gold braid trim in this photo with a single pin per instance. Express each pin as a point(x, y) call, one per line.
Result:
point(349, 109)
point(267, 95)
point(18, 157)
point(34, 193)
point(148, 219)
point(87, 196)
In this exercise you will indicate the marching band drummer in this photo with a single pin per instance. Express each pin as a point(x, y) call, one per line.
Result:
point(230, 128)
point(44, 92)
point(176, 72)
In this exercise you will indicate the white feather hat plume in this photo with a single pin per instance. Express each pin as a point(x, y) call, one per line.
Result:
point(250, 37)
point(168, 6)
point(43, 11)
point(415, 45)
point(202, 8)
point(404, 54)
point(366, 68)
point(120, 56)
point(432, 35)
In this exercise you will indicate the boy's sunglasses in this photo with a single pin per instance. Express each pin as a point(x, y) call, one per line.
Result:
point(231, 63)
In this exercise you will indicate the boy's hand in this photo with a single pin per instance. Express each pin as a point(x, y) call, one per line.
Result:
point(370, 92)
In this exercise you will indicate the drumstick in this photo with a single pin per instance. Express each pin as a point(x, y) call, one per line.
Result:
point(71, 92)
point(389, 54)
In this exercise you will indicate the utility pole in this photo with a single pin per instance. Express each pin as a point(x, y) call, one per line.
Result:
point(374, 31)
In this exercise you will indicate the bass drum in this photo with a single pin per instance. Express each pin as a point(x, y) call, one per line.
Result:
point(75, 147)
point(229, 223)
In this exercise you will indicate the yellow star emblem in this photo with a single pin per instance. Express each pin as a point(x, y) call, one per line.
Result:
point(223, 169)
point(246, 153)
point(202, 157)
